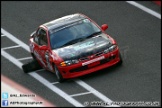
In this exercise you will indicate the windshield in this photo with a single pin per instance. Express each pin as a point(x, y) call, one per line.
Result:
point(76, 31)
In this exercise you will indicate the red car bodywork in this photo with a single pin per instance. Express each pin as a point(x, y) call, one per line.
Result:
point(83, 67)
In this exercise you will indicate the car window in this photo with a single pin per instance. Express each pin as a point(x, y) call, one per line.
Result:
point(80, 29)
point(41, 37)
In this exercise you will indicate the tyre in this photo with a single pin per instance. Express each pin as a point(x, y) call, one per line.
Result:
point(33, 56)
point(25, 68)
point(121, 60)
point(31, 66)
point(58, 74)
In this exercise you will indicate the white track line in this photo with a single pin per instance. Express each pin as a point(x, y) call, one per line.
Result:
point(79, 94)
point(42, 80)
point(11, 58)
point(54, 83)
point(2, 35)
point(10, 47)
point(145, 9)
point(12, 38)
point(7, 86)
point(57, 90)
point(25, 58)
point(81, 83)
point(95, 92)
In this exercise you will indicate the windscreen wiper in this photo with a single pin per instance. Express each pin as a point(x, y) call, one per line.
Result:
point(74, 41)
point(81, 39)
point(94, 34)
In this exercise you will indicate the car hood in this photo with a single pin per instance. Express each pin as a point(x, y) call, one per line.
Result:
point(85, 48)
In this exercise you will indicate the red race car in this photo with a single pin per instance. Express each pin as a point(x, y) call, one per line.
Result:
point(72, 46)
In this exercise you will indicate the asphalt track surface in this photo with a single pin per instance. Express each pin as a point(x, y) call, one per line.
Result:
point(137, 33)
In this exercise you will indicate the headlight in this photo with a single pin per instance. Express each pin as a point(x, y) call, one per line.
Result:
point(112, 48)
point(106, 50)
point(69, 62)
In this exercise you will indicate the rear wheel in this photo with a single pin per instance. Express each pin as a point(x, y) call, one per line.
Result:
point(58, 74)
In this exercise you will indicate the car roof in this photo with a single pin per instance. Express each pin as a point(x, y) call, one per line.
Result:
point(64, 21)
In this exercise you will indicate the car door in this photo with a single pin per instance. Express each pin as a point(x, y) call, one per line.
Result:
point(41, 46)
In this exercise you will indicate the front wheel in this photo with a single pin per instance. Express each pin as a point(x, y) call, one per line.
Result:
point(58, 74)
point(121, 60)
point(33, 56)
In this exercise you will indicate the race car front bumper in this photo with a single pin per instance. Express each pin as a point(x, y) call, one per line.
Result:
point(93, 65)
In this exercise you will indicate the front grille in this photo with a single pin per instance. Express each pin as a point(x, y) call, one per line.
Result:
point(99, 54)
point(79, 69)
point(84, 58)
point(107, 59)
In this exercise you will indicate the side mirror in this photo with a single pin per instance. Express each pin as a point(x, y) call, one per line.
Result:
point(44, 47)
point(104, 27)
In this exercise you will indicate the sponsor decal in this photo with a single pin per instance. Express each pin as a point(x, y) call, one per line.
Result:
point(38, 56)
point(93, 60)
point(72, 54)
point(48, 62)
point(86, 20)
point(84, 45)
